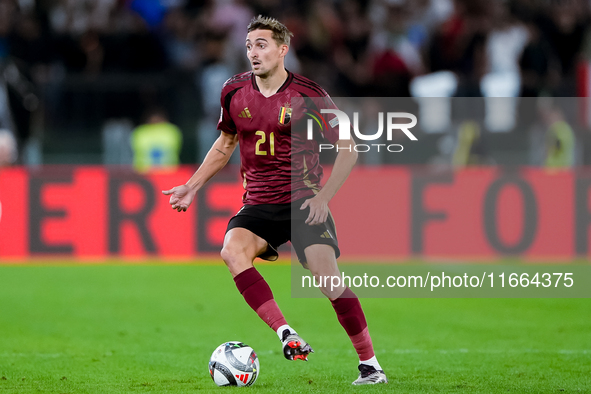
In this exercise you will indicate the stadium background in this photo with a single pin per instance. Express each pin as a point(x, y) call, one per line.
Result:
point(76, 78)
point(79, 75)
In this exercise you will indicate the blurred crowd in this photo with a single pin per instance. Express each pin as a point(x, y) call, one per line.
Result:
point(354, 47)
point(351, 47)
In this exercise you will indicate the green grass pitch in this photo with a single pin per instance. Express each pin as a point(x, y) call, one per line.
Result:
point(151, 328)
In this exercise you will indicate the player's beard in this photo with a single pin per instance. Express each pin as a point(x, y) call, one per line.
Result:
point(262, 73)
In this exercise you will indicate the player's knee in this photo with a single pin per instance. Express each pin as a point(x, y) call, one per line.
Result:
point(330, 285)
point(231, 254)
point(324, 289)
point(236, 259)
point(228, 254)
point(324, 268)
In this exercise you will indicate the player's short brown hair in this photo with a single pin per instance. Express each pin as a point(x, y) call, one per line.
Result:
point(281, 34)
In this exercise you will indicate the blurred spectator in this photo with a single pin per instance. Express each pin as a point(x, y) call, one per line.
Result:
point(179, 35)
point(401, 36)
point(539, 69)
point(8, 12)
point(31, 46)
point(75, 17)
point(506, 40)
point(210, 79)
point(427, 15)
point(459, 45)
point(6, 118)
point(93, 51)
point(231, 17)
point(396, 58)
point(151, 11)
point(157, 143)
point(560, 139)
point(470, 148)
point(317, 32)
point(8, 150)
point(352, 56)
point(144, 50)
point(564, 25)
point(116, 139)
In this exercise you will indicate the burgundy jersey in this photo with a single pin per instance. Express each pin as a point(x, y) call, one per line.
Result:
point(278, 164)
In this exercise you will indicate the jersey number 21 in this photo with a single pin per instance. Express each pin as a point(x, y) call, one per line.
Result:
point(262, 139)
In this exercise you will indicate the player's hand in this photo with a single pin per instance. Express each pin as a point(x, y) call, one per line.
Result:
point(318, 210)
point(180, 197)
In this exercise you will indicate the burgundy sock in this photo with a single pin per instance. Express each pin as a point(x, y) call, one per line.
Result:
point(351, 317)
point(259, 297)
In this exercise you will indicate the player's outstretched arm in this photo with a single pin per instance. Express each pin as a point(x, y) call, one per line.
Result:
point(343, 165)
point(182, 196)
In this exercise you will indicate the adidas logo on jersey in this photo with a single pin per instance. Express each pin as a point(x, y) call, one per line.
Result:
point(245, 114)
point(326, 234)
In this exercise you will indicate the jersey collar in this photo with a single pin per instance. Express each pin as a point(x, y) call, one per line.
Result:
point(286, 83)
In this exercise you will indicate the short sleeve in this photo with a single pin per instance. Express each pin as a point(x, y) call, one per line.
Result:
point(331, 132)
point(226, 124)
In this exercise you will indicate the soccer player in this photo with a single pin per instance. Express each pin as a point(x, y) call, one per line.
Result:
point(283, 200)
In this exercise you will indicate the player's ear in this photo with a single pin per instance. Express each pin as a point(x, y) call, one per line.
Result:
point(284, 50)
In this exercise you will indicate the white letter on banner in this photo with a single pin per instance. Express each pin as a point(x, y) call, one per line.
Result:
point(371, 137)
point(403, 127)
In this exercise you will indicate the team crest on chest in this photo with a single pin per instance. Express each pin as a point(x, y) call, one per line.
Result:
point(285, 114)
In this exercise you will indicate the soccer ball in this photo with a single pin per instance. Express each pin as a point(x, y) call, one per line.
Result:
point(234, 364)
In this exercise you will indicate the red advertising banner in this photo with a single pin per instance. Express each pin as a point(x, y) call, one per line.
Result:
point(472, 213)
point(88, 212)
